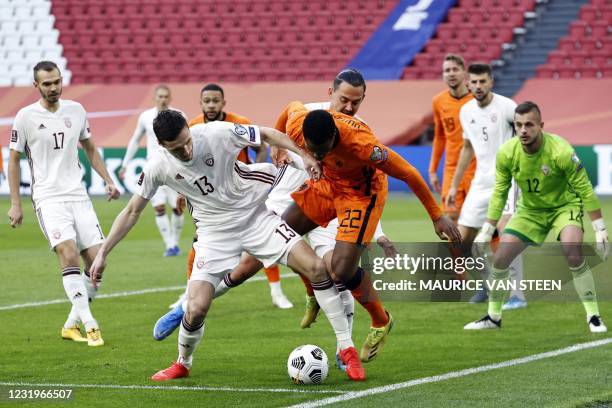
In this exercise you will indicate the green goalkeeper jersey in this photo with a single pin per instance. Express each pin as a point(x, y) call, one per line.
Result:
point(551, 178)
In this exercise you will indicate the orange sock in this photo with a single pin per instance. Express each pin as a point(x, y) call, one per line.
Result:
point(190, 259)
point(273, 273)
point(307, 284)
point(367, 297)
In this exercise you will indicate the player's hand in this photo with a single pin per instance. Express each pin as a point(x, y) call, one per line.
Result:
point(601, 238)
point(180, 204)
point(447, 230)
point(387, 246)
point(97, 268)
point(451, 196)
point(112, 192)
point(280, 157)
point(435, 182)
point(15, 214)
point(483, 238)
point(312, 166)
point(122, 173)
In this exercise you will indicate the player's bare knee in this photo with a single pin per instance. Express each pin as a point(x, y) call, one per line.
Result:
point(196, 309)
point(318, 271)
point(574, 260)
point(342, 269)
point(160, 210)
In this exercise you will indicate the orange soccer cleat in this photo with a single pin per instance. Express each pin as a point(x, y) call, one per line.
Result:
point(354, 369)
point(176, 370)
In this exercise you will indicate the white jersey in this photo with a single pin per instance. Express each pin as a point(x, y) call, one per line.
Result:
point(221, 192)
point(50, 141)
point(144, 127)
point(487, 129)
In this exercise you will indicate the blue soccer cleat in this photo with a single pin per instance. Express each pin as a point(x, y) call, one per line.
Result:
point(166, 324)
point(514, 302)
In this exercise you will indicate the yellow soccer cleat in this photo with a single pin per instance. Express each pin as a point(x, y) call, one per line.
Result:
point(73, 333)
point(375, 341)
point(94, 338)
point(312, 310)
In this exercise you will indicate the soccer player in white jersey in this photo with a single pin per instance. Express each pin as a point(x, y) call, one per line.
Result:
point(170, 229)
point(346, 94)
point(487, 122)
point(48, 131)
point(226, 199)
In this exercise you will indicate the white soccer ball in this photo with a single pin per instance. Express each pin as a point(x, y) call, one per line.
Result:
point(307, 365)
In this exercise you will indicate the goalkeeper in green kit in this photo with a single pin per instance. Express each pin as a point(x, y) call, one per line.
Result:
point(555, 190)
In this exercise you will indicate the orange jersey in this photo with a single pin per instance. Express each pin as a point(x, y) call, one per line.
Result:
point(358, 163)
point(243, 156)
point(448, 135)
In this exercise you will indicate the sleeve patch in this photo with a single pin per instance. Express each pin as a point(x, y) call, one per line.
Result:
point(379, 155)
point(141, 178)
point(239, 130)
point(252, 136)
point(14, 136)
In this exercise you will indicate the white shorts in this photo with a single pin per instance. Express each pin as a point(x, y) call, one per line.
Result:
point(73, 220)
point(164, 195)
point(322, 240)
point(265, 236)
point(474, 210)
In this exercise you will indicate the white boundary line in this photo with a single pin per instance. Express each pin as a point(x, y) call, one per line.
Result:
point(124, 294)
point(296, 390)
point(453, 374)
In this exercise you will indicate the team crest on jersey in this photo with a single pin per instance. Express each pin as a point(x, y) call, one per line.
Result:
point(200, 263)
point(209, 160)
point(57, 234)
point(494, 117)
point(239, 130)
point(379, 154)
point(68, 122)
point(545, 170)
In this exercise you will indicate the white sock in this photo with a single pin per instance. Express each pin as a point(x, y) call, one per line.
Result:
point(275, 288)
point(77, 294)
point(329, 300)
point(163, 225)
point(91, 290)
point(73, 318)
point(177, 226)
point(516, 275)
point(348, 301)
point(188, 339)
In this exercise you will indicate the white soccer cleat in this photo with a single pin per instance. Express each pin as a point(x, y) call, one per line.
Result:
point(281, 301)
point(484, 323)
point(596, 325)
point(179, 301)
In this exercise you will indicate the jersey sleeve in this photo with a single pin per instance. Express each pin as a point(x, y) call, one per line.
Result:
point(439, 140)
point(85, 128)
point(463, 119)
point(235, 135)
point(132, 146)
point(578, 180)
point(150, 180)
point(510, 108)
point(371, 151)
point(503, 182)
point(18, 133)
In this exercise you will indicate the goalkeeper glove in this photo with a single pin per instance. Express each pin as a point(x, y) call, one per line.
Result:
point(601, 238)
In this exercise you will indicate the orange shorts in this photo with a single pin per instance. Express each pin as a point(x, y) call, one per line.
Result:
point(357, 215)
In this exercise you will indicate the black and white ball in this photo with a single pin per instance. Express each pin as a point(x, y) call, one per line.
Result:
point(307, 365)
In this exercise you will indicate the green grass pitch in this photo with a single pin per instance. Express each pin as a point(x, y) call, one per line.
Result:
point(241, 360)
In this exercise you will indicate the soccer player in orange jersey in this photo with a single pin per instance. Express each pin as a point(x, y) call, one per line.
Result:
point(448, 134)
point(354, 189)
point(212, 103)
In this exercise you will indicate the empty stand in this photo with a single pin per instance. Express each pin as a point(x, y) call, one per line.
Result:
point(27, 35)
point(475, 29)
point(586, 52)
point(239, 40)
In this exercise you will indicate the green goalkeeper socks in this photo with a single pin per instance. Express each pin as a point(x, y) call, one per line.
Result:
point(585, 287)
point(497, 280)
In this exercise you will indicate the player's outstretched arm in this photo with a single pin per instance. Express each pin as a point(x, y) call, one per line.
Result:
point(98, 165)
point(15, 213)
point(465, 157)
point(437, 150)
point(282, 141)
point(132, 147)
point(127, 218)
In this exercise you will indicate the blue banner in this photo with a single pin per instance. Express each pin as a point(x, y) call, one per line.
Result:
point(400, 37)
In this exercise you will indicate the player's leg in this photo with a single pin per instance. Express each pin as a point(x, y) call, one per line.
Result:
point(276, 291)
point(199, 299)
point(569, 222)
point(161, 220)
point(176, 218)
point(516, 299)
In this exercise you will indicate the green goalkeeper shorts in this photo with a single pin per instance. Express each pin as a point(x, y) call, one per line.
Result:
point(532, 226)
